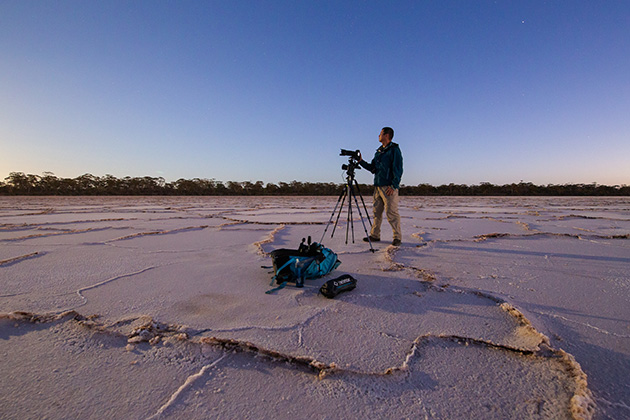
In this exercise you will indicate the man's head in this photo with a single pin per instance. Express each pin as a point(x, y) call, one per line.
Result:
point(386, 136)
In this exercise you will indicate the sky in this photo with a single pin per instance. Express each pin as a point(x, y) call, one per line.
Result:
point(476, 91)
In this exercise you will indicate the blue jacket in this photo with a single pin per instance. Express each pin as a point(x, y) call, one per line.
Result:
point(387, 166)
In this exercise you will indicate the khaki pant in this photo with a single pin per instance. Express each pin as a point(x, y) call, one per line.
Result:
point(390, 204)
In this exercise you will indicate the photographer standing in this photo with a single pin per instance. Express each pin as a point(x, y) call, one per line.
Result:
point(387, 167)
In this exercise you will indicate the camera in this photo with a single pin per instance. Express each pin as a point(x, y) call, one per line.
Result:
point(354, 154)
point(353, 160)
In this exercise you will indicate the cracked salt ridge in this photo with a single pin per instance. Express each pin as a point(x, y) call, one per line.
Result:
point(159, 232)
point(8, 226)
point(79, 372)
point(412, 368)
point(189, 381)
point(584, 324)
point(15, 260)
point(61, 233)
point(470, 226)
point(479, 238)
point(126, 237)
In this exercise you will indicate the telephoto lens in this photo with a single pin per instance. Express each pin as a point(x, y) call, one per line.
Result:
point(354, 154)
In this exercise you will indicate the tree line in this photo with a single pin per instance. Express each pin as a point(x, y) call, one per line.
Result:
point(18, 183)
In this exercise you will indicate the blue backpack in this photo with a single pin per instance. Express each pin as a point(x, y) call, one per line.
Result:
point(309, 261)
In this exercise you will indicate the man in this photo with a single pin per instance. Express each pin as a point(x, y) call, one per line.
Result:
point(387, 167)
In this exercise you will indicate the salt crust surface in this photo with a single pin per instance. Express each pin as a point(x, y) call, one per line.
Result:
point(155, 308)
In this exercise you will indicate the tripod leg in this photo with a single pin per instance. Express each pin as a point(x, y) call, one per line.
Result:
point(349, 221)
point(351, 214)
point(361, 216)
point(343, 197)
point(367, 214)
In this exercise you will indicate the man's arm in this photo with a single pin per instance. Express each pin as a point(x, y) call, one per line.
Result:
point(397, 168)
point(367, 165)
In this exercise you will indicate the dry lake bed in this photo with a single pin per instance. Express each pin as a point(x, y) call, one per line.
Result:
point(155, 308)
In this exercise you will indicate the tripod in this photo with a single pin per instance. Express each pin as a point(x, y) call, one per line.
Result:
point(349, 193)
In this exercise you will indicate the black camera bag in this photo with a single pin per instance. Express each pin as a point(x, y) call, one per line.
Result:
point(333, 287)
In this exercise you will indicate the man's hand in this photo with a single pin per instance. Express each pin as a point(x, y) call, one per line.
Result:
point(389, 191)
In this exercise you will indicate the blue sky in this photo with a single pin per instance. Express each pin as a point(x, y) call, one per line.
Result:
point(476, 91)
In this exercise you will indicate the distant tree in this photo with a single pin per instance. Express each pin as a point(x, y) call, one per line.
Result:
point(272, 189)
point(234, 188)
point(18, 182)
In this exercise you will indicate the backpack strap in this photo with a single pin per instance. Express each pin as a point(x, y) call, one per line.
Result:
point(273, 279)
point(275, 289)
point(286, 264)
point(299, 282)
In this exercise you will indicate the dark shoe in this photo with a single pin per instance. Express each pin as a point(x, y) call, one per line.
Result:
point(396, 242)
point(371, 239)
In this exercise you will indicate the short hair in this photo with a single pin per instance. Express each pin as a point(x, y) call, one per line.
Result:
point(389, 131)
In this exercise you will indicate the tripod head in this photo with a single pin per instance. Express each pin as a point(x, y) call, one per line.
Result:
point(353, 161)
point(350, 167)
